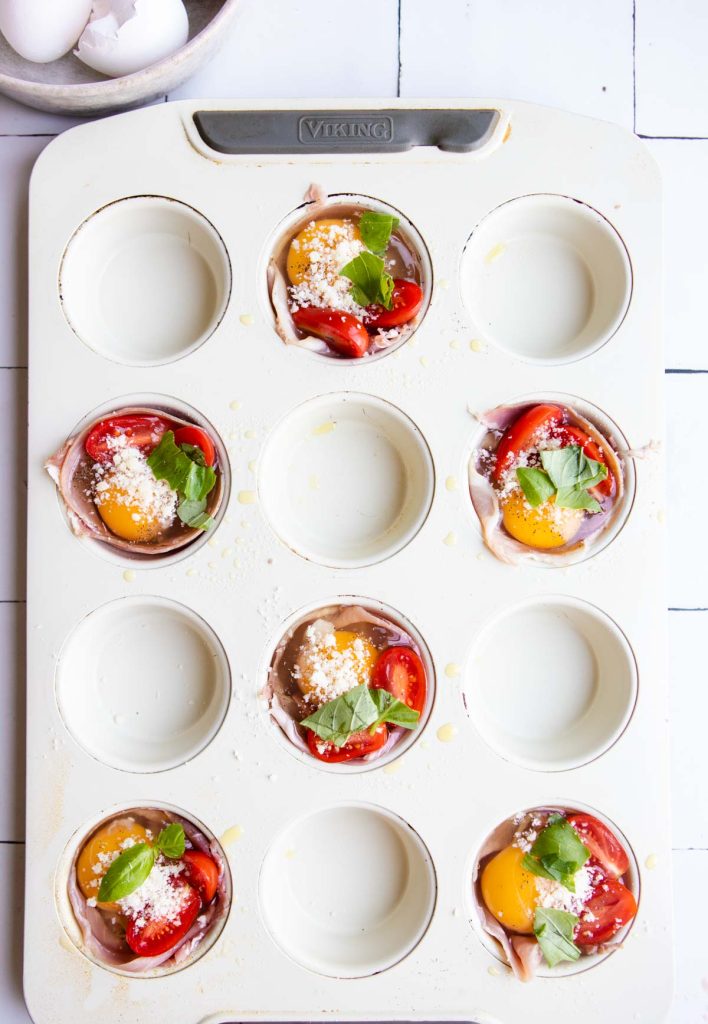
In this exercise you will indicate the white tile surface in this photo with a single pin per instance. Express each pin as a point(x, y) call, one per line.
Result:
point(302, 48)
point(12, 743)
point(686, 396)
point(691, 899)
point(684, 169)
point(689, 713)
point(671, 69)
point(13, 457)
point(577, 56)
point(17, 155)
point(12, 1006)
point(16, 119)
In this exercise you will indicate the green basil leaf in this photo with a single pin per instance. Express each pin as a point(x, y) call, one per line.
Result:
point(371, 284)
point(570, 467)
point(376, 229)
point(554, 931)
point(557, 853)
point(535, 484)
point(336, 720)
point(127, 872)
point(393, 711)
point(170, 463)
point(171, 841)
point(195, 453)
point(577, 497)
point(189, 478)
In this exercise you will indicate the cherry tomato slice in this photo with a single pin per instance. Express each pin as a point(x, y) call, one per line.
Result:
point(202, 872)
point(143, 432)
point(602, 843)
point(344, 334)
point(198, 438)
point(407, 298)
point(155, 935)
point(574, 435)
point(610, 907)
point(400, 671)
point(358, 745)
point(522, 433)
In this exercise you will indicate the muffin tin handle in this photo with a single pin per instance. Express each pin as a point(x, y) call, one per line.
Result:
point(345, 131)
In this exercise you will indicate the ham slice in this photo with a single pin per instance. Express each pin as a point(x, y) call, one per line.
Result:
point(70, 468)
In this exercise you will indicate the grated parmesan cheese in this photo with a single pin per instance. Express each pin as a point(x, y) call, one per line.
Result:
point(331, 248)
point(326, 671)
point(128, 480)
point(158, 898)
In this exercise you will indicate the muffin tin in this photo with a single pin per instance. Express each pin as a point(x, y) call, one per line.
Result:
point(351, 889)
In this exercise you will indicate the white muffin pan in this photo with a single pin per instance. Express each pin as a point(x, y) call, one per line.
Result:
point(346, 482)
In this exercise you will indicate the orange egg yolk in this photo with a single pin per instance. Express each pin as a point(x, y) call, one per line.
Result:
point(359, 653)
point(509, 890)
point(125, 518)
point(317, 237)
point(94, 859)
point(542, 527)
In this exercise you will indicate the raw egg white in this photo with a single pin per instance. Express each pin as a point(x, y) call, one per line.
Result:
point(125, 36)
point(43, 30)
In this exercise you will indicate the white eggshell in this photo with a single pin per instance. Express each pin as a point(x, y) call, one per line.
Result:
point(43, 30)
point(125, 36)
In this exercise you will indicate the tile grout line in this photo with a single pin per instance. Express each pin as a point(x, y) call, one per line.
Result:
point(398, 52)
point(634, 66)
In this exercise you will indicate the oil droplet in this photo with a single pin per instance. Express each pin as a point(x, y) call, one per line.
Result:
point(476, 345)
point(651, 862)
point(494, 971)
point(423, 361)
point(247, 497)
point(212, 542)
point(450, 540)
point(452, 670)
point(191, 572)
point(451, 483)
point(247, 319)
point(252, 465)
point(290, 854)
point(234, 405)
point(212, 565)
point(324, 428)
point(227, 552)
point(661, 516)
point(443, 283)
point(446, 733)
point(231, 835)
point(128, 575)
point(392, 768)
point(495, 252)
point(454, 344)
point(250, 435)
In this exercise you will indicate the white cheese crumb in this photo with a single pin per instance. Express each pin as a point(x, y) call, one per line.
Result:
point(327, 672)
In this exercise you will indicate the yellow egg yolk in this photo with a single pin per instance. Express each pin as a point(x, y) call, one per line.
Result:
point(509, 890)
point(542, 527)
point(95, 857)
point(316, 237)
point(126, 518)
point(349, 650)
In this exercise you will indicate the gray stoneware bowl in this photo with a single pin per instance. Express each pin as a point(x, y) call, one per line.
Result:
point(66, 86)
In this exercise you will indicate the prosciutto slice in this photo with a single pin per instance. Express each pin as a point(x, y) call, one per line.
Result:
point(285, 709)
point(486, 501)
point(71, 469)
point(102, 935)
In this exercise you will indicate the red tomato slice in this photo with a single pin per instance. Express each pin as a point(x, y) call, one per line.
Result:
point(156, 936)
point(358, 745)
point(522, 433)
point(574, 435)
point(609, 909)
point(400, 671)
point(407, 298)
point(143, 432)
point(603, 845)
point(199, 439)
point(202, 872)
point(344, 334)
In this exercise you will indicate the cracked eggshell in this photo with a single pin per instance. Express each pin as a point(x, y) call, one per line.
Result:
point(43, 30)
point(125, 36)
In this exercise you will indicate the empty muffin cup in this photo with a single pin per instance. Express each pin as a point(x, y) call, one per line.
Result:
point(546, 278)
point(143, 684)
point(145, 280)
point(335, 928)
point(562, 691)
point(346, 480)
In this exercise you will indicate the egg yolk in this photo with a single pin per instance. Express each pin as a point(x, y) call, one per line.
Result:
point(315, 237)
point(509, 890)
point(90, 866)
point(126, 519)
point(542, 527)
point(361, 656)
